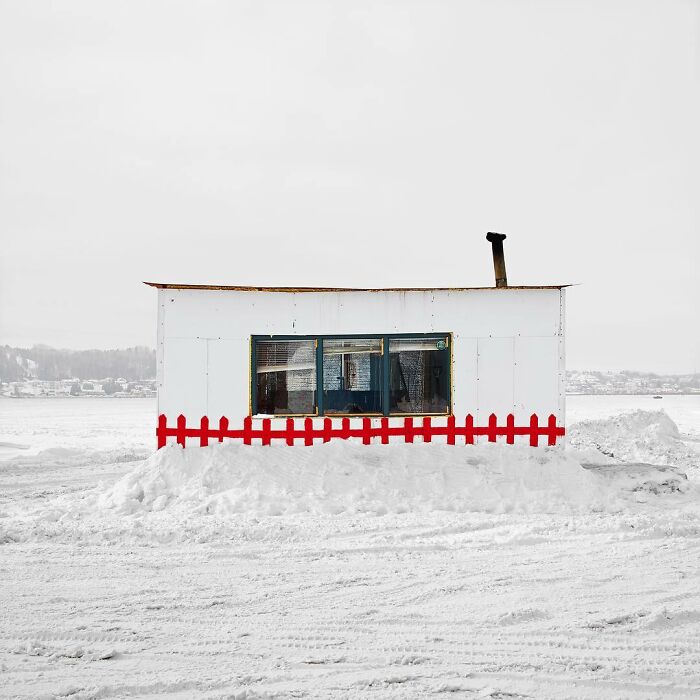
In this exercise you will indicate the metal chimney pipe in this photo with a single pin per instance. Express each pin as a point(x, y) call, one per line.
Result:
point(499, 261)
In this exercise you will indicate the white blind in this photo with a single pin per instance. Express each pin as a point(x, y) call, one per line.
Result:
point(285, 356)
point(347, 346)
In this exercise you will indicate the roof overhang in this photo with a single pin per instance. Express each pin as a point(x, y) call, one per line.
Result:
point(294, 290)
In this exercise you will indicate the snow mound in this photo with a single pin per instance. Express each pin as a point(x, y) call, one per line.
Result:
point(229, 492)
point(72, 457)
point(640, 478)
point(342, 477)
point(635, 436)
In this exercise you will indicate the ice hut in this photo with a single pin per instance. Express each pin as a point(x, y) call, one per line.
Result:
point(303, 365)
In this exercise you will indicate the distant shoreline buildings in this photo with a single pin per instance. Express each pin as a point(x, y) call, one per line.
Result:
point(631, 383)
point(45, 372)
point(577, 382)
point(76, 388)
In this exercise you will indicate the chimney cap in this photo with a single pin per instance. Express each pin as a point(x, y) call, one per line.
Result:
point(492, 237)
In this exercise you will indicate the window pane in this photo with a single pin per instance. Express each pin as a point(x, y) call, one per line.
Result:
point(419, 375)
point(285, 376)
point(352, 371)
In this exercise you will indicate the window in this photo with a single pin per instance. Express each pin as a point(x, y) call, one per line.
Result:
point(286, 376)
point(352, 371)
point(351, 375)
point(419, 376)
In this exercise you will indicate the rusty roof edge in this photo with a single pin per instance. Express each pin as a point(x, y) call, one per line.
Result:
point(223, 287)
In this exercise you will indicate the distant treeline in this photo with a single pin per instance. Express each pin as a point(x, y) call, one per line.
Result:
point(44, 362)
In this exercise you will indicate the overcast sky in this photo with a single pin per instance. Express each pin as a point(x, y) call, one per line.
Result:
point(352, 144)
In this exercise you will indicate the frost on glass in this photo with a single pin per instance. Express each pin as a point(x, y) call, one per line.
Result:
point(285, 377)
point(419, 375)
point(352, 376)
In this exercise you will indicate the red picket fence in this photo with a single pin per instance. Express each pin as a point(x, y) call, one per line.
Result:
point(367, 432)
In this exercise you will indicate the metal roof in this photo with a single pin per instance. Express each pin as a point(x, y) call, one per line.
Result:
point(224, 287)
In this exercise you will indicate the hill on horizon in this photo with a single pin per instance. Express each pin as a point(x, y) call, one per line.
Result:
point(44, 362)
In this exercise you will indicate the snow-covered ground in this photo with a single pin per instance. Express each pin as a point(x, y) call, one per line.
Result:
point(347, 570)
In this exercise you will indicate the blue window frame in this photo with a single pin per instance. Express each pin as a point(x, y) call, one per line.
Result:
point(351, 375)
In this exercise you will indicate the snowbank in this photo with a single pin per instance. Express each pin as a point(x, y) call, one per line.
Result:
point(343, 477)
point(235, 492)
point(73, 457)
point(635, 436)
point(347, 478)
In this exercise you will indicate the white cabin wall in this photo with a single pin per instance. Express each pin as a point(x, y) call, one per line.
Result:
point(185, 377)
point(464, 375)
point(159, 350)
point(561, 380)
point(229, 314)
point(228, 363)
point(507, 348)
point(495, 359)
point(535, 378)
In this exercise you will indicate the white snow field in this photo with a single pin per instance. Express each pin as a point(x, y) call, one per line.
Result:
point(349, 571)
